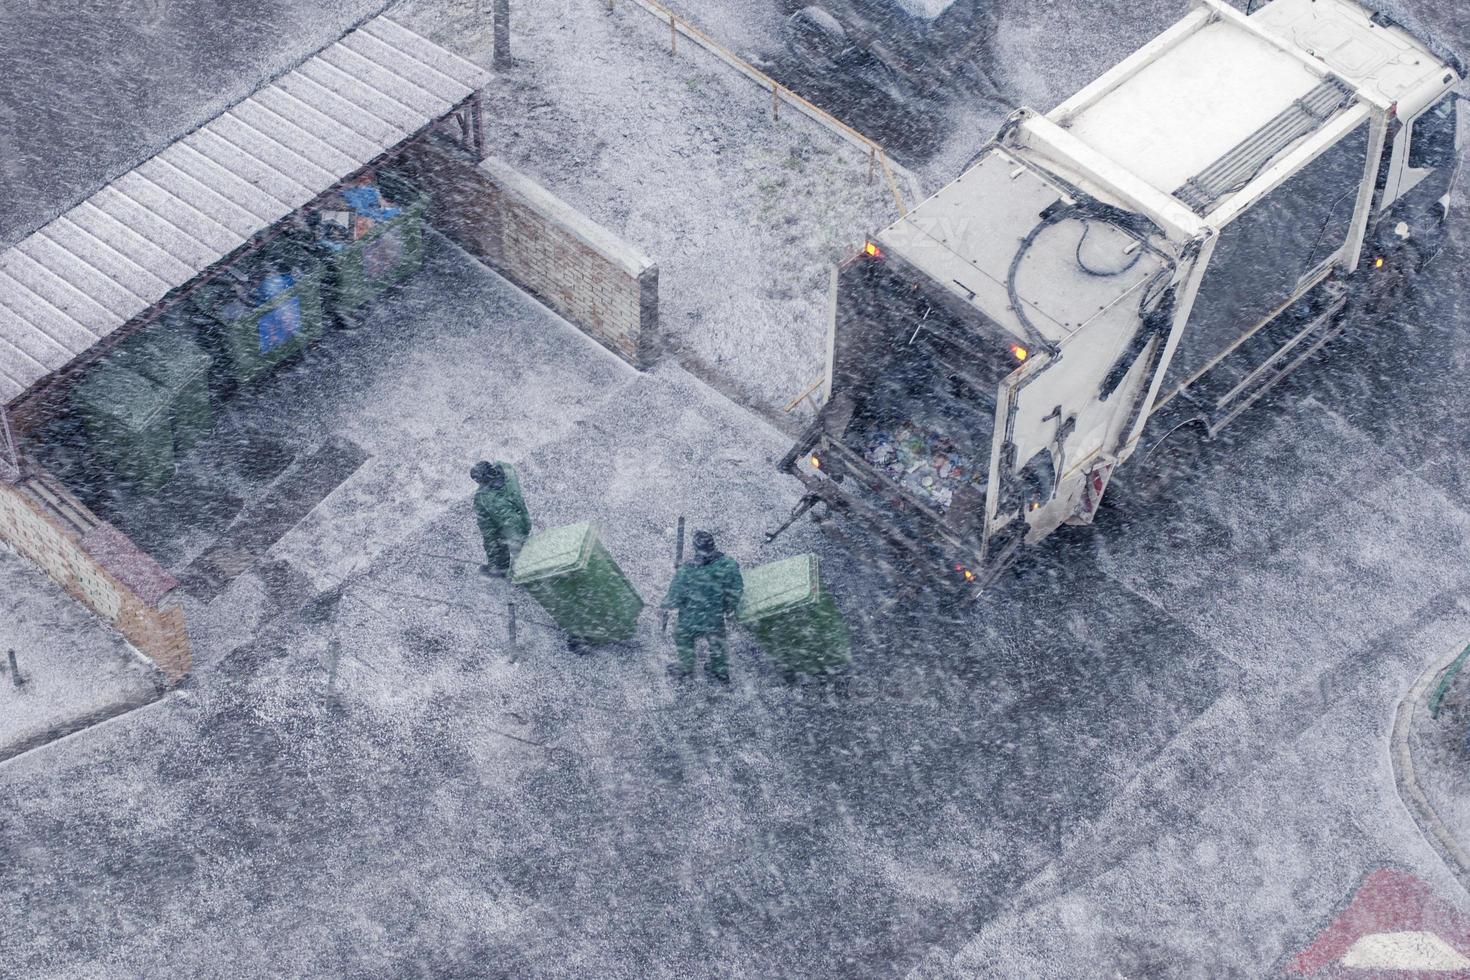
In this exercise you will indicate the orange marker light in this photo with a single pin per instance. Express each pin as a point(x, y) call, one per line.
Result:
point(872, 250)
point(969, 575)
point(1020, 352)
point(1378, 262)
point(816, 462)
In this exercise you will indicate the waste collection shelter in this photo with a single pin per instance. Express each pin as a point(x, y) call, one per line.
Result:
point(100, 307)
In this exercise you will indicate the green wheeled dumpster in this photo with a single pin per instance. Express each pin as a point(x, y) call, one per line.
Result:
point(793, 619)
point(263, 310)
point(362, 267)
point(169, 355)
point(127, 420)
point(570, 573)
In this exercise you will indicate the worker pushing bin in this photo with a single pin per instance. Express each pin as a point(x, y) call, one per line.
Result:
point(793, 618)
point(570, 573)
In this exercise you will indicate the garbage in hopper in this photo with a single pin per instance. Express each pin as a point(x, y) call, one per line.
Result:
point(927, 464)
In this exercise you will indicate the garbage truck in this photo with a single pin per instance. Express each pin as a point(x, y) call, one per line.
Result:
point(1142, 262)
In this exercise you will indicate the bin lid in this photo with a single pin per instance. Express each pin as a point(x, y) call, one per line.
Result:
point(553, 552)
point(112, 391)
point(779, 586)
point(168, 355)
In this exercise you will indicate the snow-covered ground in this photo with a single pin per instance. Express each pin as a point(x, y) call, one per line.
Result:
point(1014, 792)
point(1159, 750)
point(679, 154)
point(73, 668)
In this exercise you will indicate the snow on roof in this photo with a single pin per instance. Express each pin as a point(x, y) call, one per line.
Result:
point(1374, 56)
point(1174, 117)
point(964, 239)
point(93, 269)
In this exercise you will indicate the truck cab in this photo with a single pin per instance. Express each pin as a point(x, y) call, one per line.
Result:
point(1154, 253)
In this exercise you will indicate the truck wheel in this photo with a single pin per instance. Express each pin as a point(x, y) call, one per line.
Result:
point(815, 36)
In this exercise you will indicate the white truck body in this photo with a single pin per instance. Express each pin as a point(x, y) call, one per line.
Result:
point(1184, 230)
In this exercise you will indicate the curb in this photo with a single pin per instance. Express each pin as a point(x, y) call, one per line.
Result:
point(1455, 855)
point(82, 723)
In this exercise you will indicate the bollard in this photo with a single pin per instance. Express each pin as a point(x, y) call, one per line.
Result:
point(15, 677)
point(334, 651)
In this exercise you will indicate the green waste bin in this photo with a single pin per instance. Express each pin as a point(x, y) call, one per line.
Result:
point(168, 355)
point(262, 311)
point(127, 422)
point(793, 619)
point(569, 572)
point(360, 271)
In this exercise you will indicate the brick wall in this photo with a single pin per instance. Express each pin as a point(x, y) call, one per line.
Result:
point(581, 270)
point(98, 566)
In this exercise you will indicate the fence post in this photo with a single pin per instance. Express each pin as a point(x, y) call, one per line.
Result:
point(673, 35)
point(775, 101)
point(872, 160)
point(15, 677)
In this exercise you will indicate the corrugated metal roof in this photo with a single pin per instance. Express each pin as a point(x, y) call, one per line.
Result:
point(93, 269)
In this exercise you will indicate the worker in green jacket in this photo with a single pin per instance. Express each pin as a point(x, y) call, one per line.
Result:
point(501, 513)
point(704, 592)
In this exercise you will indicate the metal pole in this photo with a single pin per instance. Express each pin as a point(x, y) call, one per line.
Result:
point(502, 34)
point(663, 614)
point(9, 453)
point(477, 125)
point(15, 677)
point(510, 631)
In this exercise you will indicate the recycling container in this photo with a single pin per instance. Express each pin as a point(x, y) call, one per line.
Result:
point(389, 253)
point(263, 311)
point(569, 572)
point(168, 355)
point(127, 421)
point(793, 619)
